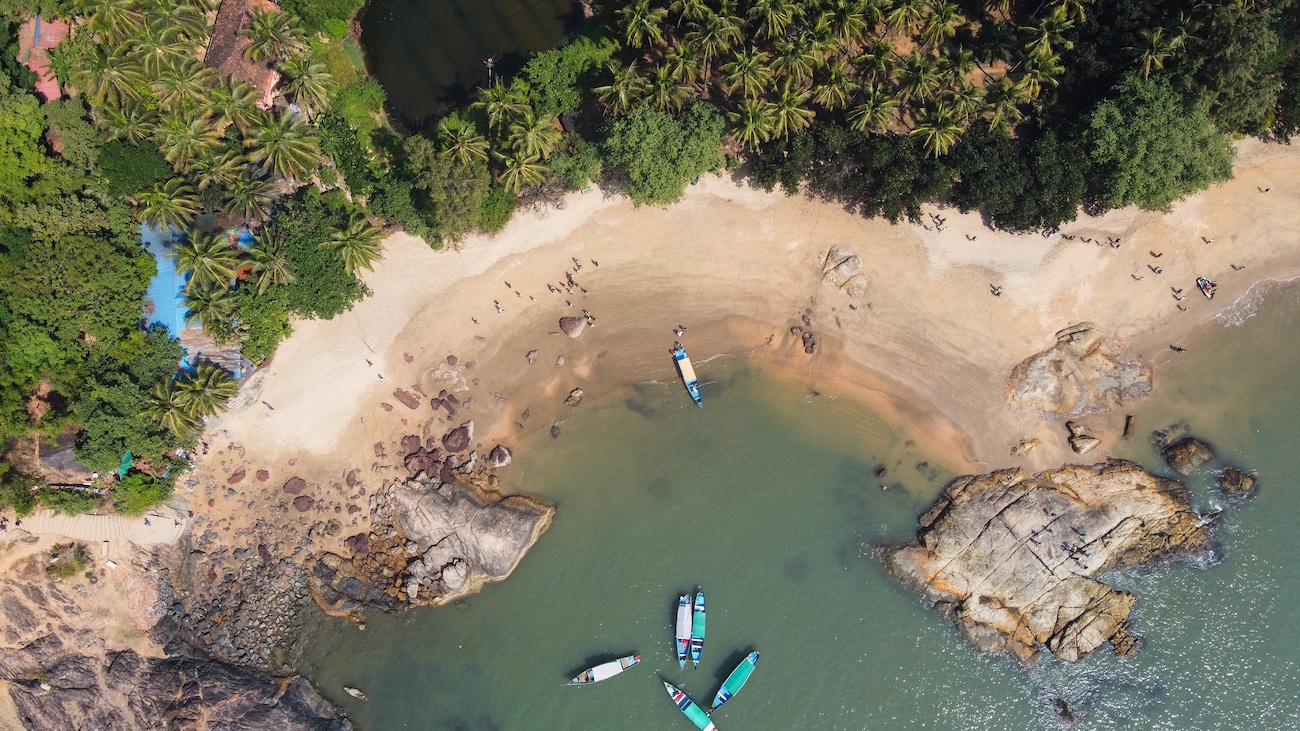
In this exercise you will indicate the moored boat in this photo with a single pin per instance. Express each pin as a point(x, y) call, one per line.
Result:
point(687, 372)
point(605, 670)
point(1207, 287)
point(683, 628)
point(735, 681)
point(688, 707)
point(697, 629)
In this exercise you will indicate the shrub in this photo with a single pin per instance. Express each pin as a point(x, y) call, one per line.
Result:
point(359, 103)
point(340, 142)
point(555, 78)
point(67, 561)
point(265, 318)
point(137, 492)
point(71, 502)
point(660, 154)
point(16, 491)
point(577, 164)
point(130, 168)
point(498, 207)
point(317, 14)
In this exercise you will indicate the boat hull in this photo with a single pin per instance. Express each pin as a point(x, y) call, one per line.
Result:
point(735, 681)
point(689, 709)
point(605, 671)
point(697, 630)
point(683, 628)
point(687, 372)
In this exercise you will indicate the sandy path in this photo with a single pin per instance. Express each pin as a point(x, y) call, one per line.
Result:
point(929, 343)
point(152, 529)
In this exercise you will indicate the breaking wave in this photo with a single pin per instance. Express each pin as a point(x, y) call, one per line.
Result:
point(1247, 306)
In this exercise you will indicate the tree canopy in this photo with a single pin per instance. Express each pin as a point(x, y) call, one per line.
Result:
point(660, 153)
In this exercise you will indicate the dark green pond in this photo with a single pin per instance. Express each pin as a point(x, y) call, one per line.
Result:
point(429, 54)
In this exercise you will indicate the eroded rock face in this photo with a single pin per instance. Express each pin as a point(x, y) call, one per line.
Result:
point(842, 269)
point(1081, 374)
point(1187, 455)
point(1010, 558)
point(126, 691)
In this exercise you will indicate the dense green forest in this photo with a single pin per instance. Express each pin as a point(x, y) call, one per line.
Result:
point(1027, 112)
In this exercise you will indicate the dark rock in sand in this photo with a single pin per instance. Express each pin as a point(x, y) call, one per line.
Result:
point(295, 485)
point(408, 399)
point(303, 503)
point(352, 479)
point(1187, 455)
point(385, 406)
point(809, 342)
point(499, 456)
point(264, 553)
point(1234, 483)
point(555, 431)
point(411, 443)
point(575, 397)
point(447, 472)
point(573, 326)
point(459, 439)
point(452, 360)
point(379, 449)
point(532, 356)
point(263, 475)
point(358, 544)
point(1010, 559)
point(237, 476)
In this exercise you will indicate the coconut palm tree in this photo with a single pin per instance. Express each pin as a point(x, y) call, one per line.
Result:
point(752, 123)
point(233, 102)
point(164, 407)
point(664, 93)
point(836, 87)
point(172, 204)
point(875, 110)
point(850, 20)
point(461, 142)
point(530, 136)
point(247, 198)
point(358, 245)
point(130, 121)
point(942, 23)
point(217, 168)
point(520, 171)
point(682, 60)
point(270, 265)
point(713, 36)
point(905, 14)
point(210, 259)
point(184, 138)
point(112, 20)
point(1158, 47)
point(641, 23)
point(795, 60)
point(154, 44)
point(108, 77)
point(748, 72)
point(965, 101)
point(182, 84)
point(309, 84)
point(1049, 35)
point(1003, 100)
point(623, 91)
point(206, 391)
point(284, 146)
point(938, 130)
point(189, 19)
point(774, 16)
point(921, 78)
point(1073, 9)
point(688, 10)
point(789, 111)
point(275, 36)
point(211, 308)
point(1040, 71)
point(961, 63)
point(877, 61)
point(502, 103)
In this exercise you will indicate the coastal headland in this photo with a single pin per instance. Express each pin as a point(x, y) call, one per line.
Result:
point(945, 312)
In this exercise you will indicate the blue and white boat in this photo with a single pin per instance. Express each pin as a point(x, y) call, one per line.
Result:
point(735, 681)
point(688, 707)
point(688, 374)
point(683, 628)
point(697, 630)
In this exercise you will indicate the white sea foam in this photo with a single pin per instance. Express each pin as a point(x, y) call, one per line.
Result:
point(1247, 306)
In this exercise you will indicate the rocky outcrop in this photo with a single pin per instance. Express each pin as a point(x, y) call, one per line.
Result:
point(1010, 559)
point(842, 269)
point(430, 541)
point(575, 397)
point(57, 687)
point(1025, 447)
point(499, 456)
point(1081, 374)
point(1080, 440)
point(573, 326)
point(1234, 483)
point(1187, 455)
point(459, 439)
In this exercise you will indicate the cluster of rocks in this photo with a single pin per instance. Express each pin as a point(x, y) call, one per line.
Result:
point(842, 269)
point(1081, 373)
point(1188, 455)
point(54, 685)
point(1010, 559)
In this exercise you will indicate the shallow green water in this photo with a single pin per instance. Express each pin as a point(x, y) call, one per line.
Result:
point(767, 500)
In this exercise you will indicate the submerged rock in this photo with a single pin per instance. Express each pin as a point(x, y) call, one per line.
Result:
point(1234, 483)
point(574, 398)
point(1081, 374)
point(1010, 559)
point(1186, 455)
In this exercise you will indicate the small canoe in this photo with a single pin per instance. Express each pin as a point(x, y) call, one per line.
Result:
point(735, 681)
point(1207, 287)
point(697, 629)
point(688, 707)
point(605, 671)
point(683, 628)
point(687, 372)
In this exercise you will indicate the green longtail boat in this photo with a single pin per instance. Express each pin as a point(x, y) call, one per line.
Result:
point(697, 629)
point(735, 681)
point(688, 707)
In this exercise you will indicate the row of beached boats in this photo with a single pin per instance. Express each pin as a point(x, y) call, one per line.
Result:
point(688, 640)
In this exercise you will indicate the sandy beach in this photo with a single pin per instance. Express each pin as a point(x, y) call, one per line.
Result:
point(929, 344)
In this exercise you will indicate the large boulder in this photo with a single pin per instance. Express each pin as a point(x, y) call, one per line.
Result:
point(499, 456)
point(1011, 559)
point(842, 269)
point(1081, 374)
point(1187, 455)
point(573, 326)
point(459, 439)
point(1234, 483)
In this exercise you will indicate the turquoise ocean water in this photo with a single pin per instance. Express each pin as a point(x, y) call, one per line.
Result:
point(767, 499)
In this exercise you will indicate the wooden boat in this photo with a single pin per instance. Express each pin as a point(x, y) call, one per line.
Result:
point(1207, 287)
point(688, 707)
point(735, 681)
point(683, 628)
point(605, 670)
point(697, 629)
point(688, 374)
